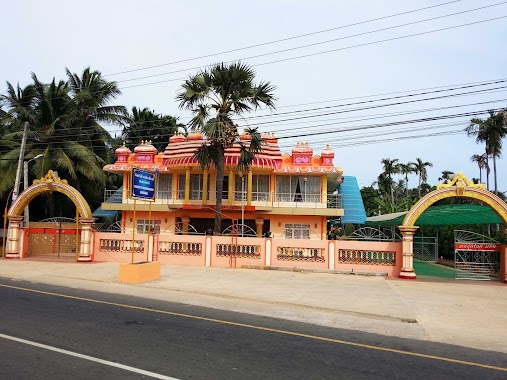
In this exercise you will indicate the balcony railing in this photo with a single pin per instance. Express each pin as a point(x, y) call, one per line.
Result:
point(331, 201)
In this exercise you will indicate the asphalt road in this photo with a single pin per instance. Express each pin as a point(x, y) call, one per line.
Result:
point(73, 334)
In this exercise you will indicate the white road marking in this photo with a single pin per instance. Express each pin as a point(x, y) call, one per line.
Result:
point(90, 358)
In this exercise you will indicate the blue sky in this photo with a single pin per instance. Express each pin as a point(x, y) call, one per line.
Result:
point(118, 36)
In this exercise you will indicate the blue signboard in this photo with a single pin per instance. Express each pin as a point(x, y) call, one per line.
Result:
point(143, 184)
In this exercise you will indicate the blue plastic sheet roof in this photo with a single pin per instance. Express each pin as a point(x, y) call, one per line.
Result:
point(352, 201)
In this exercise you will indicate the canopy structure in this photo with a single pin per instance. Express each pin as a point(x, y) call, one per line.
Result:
point(445, 215)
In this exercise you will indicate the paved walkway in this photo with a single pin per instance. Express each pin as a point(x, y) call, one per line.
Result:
point(465, 313)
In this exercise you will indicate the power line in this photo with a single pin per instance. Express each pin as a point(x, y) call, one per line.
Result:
point(284, 39)
point(318, 43)
point(338, 49)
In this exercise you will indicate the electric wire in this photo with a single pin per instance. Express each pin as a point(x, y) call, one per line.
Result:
point(284, 39)
point(315, 43)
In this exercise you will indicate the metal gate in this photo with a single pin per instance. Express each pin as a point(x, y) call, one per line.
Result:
point(476, 257)
point(55, 240)
point(425, 248)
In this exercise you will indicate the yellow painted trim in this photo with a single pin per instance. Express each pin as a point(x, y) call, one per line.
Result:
point(261, 328)
point(205, 186)
point(249, 187)
point(230, 189)
point(45, 185)
point(187, 185)
point(487, 197)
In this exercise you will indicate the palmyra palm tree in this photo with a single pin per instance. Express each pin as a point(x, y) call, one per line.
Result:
point(390, 166)
point(407, 169)
point(214, 96)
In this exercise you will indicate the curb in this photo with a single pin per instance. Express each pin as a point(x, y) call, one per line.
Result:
point(306, 270)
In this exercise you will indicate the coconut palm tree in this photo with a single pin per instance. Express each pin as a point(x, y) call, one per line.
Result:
point(63, 118)
point(145, 124)
point(390, 167)
point(482, 163)
point(490, 131)
point(91, 95)
point(406, 169)
point(446, 174)
point(420, 169)
point(214, 96)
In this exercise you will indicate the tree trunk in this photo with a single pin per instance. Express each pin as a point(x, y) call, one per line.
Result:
point(406, 184)
point(419, 186)
point(487, 170)
point(219, 188)
point(480, 174)
point(494, 173)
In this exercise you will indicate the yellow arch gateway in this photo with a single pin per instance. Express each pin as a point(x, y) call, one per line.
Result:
point(460, 186)
point(47, 184)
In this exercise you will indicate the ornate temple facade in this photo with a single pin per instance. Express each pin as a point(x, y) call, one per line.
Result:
point(289, 195)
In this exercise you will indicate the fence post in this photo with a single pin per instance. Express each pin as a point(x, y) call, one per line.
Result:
point(332, 256)
point(267, 251)
point(207, 250)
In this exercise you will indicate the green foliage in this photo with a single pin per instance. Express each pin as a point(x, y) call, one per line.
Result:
point(214, 96)
point(147, 125)
point(63, 119)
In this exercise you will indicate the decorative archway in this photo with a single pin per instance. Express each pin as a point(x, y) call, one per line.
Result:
point(47, 184)
point(459, 186)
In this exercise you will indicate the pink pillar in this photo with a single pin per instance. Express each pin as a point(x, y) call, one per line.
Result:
point(85, 250)
point(13, 249)
point(407, 268)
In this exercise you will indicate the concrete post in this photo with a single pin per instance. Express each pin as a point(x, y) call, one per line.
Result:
point(259, 223)
point(13, 238)
point(85, 249)
point(407, 268)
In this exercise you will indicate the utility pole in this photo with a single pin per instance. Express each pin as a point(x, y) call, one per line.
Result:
point(20, 163)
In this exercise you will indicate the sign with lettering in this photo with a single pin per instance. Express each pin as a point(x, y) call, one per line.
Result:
point(144, 158)
point(477, 247)
point(143, 184)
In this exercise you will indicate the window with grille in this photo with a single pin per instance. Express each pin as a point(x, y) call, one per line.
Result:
point(297, 231)
point(143, 225)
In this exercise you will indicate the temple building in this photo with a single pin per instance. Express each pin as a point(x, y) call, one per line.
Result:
point(288, 195)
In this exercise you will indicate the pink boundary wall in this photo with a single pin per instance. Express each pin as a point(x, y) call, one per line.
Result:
point(163, 258)
point(299, 243)
point(225, 262)
point(371, 246)
point(209, 256)
point(121, 256)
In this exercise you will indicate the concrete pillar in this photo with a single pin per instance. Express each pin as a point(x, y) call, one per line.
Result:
point(230, 190)
point(185, 220)
point(207, 251)
point(85, 249)
point(332, 256)
point(324, 189)
point(249, 187)
point(205, 186)
point(268, 248)
point(259, 223)
point(13, 250)
point(187, 185)
point(126, 184)
point(407, 267)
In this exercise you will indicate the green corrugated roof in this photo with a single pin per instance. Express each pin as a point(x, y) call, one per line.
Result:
point(445, 215)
